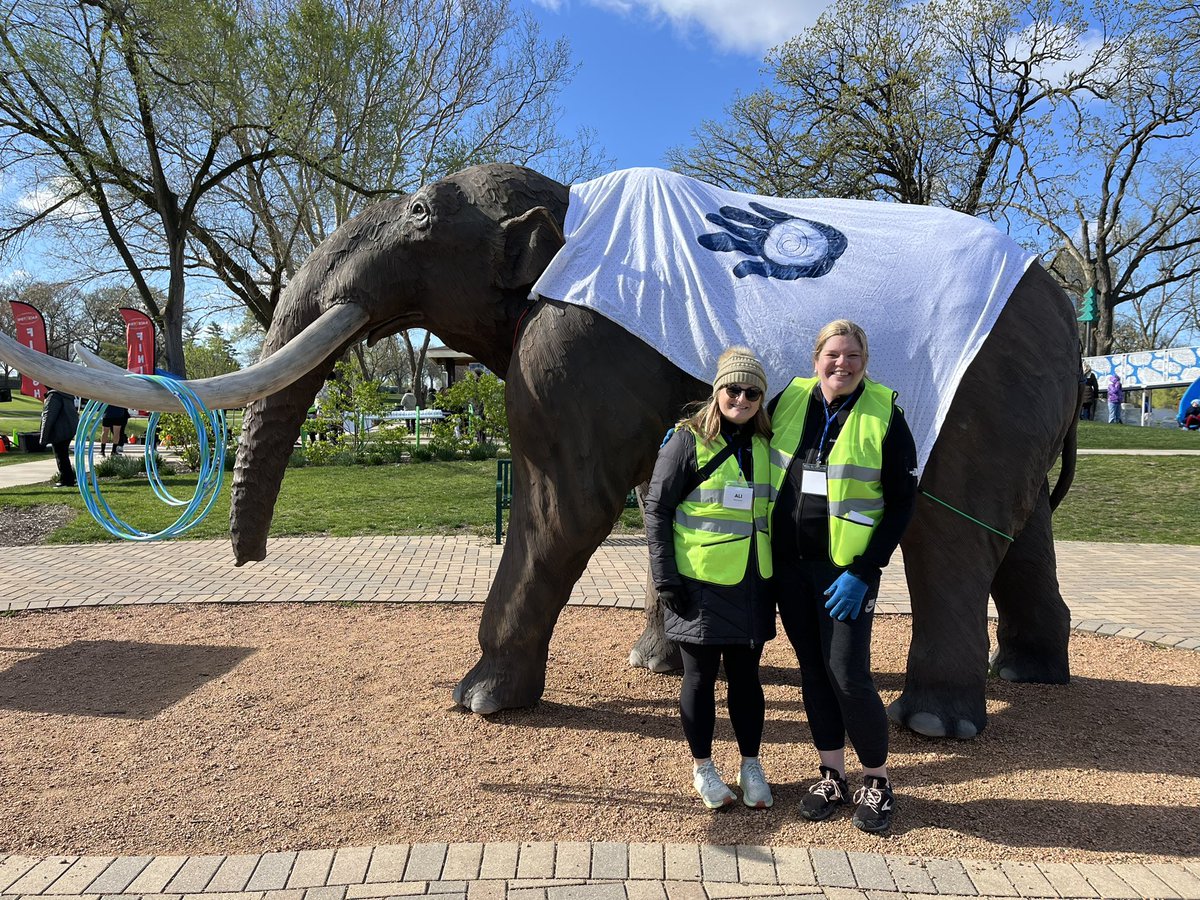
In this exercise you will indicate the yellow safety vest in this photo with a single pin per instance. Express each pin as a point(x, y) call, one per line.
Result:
point(854, 466)
point(712, 542)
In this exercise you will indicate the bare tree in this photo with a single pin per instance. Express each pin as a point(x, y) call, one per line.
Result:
point(1121, 198)
point(223, 139)
point(121, 112)
point(920, 103)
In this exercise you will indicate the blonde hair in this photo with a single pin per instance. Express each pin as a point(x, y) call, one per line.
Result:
point(841, 328)
point(703, 418)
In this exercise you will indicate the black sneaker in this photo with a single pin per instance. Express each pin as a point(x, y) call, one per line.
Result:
point(876, 803)
point(825, 796)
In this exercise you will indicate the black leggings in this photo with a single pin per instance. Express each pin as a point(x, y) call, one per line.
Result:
point(835, 662)
point(698, 701)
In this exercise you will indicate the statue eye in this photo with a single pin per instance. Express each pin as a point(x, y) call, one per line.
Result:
point(419, 210)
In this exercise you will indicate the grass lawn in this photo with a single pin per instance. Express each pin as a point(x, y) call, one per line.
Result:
point(429, 498)
point(1125, 499)
point(22, 414)
point(1102, 436)
point(1131, 499)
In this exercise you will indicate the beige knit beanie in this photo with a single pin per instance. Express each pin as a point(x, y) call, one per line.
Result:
point(739, 365)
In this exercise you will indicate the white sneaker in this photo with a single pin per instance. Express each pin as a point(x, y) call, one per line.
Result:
point(756, 792)
point(712, 790)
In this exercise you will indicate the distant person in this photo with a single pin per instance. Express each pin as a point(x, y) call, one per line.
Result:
point(114, 422)
point(1191, 418)
point(60, 420)
point(409, 404)
point(1116, 396)
point(1090, 390)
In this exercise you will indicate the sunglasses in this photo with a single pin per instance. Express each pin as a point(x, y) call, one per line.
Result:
point(733, 391)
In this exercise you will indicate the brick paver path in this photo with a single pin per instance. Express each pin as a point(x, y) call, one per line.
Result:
point(1139, 590)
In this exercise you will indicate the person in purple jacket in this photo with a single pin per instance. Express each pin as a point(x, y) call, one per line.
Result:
point(1116, 396)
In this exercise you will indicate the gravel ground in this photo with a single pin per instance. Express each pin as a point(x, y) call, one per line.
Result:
point(24, 525)
point(229, 729)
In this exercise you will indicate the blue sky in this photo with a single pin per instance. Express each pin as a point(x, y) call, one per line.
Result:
point(652, 70)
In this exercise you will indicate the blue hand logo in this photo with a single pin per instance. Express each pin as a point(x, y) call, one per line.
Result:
point(788, 247)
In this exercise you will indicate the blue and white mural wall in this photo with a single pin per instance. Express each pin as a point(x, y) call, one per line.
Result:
point(1149, 369)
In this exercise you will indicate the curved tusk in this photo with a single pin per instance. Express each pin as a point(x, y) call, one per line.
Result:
point(334, 328)
point(96, 361)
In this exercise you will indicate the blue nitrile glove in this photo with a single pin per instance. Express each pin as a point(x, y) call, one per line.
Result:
point(846, 596)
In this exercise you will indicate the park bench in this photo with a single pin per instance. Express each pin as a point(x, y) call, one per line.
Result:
point(504, 495)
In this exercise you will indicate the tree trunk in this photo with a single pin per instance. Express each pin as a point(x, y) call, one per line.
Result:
point(172, 314)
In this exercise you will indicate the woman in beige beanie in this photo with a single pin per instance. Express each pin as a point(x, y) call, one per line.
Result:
point(709, 558)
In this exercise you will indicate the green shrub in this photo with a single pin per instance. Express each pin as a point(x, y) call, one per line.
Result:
point(486, 450)
point(129, 465)
point(390, 435)
point(320, 453)
point(298, 460)
point(177, 431)
point(394, 453)
point(420, 454)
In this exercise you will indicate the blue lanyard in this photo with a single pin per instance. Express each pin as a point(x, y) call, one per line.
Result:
point(829, 417)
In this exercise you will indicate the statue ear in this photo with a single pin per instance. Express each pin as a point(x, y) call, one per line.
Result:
point(530, 242)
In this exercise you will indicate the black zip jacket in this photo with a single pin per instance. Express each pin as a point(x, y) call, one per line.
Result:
point(800, 522)
point(742, 613)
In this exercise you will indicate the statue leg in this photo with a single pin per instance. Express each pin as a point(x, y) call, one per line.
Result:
point(587, 405)
point(652, 650)
point(949, 566)
point(554, 529)
point(1035, 623)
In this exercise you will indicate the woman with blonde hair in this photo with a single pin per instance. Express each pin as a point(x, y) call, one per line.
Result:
point(844, 469)
point(710, 554)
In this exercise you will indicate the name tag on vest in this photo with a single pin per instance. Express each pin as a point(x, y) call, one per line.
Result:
point(738, 496)
point(813, 481)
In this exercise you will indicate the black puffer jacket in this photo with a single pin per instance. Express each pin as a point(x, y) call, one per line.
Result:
point(742, 613)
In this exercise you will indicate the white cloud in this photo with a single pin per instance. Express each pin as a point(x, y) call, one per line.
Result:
point(1080, 52)
point(743, 26)
point(44, 198)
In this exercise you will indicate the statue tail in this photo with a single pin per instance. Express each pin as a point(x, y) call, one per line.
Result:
point(1066, 474)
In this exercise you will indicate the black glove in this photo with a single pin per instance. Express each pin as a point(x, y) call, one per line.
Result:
point(673, 599)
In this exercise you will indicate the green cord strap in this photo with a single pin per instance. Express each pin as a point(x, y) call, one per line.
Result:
point(1007, 537)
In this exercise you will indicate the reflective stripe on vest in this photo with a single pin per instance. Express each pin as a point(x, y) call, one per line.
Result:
point(855, 465)
point(712, 543)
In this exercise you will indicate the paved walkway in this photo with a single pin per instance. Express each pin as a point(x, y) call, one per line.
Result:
point(1147, 597)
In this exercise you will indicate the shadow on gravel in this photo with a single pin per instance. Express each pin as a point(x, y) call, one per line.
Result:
point(113, 679)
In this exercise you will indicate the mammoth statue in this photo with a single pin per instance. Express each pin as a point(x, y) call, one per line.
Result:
point(588, 404)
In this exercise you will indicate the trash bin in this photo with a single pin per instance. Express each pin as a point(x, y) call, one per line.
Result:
point(5, 395)
point(30, 442)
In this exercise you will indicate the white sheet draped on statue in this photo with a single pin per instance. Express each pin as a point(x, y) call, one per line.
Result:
point(926, 284)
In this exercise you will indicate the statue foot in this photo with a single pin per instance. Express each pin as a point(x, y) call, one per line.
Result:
point(935, 719)
point(493, 685)
point(1034, 667)
point(654, 652)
